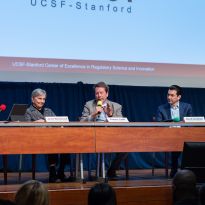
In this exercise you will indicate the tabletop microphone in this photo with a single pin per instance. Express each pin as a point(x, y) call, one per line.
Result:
point(176, 119)
point(2, 107)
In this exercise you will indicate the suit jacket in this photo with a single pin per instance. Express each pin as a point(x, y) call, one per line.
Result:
point(32, 114)
point(164, 112)
point(90, 107)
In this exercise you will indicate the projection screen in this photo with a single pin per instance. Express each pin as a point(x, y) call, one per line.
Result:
point(122, 42)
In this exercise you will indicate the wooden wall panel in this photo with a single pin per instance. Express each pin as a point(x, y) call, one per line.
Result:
point(41, 140)
point(146, 139)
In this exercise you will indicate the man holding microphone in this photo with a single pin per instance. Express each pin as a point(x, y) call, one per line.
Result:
point(98, 110)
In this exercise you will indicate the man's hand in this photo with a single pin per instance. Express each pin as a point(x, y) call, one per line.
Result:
point(98, 110)
point(108, 110)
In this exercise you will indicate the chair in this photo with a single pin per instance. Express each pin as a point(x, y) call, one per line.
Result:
point(166, 160)
point(101, 158)
point(5, 167)
point(33, 166)
point(165, 156)
point(79, 167)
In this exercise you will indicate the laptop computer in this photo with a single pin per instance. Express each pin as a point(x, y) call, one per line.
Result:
point(17, 112)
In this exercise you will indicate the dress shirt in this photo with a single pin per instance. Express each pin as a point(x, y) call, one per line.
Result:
point(175, 111)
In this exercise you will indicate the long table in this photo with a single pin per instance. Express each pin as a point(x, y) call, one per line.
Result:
point(146, 139)
point(77, 137)
point(44, 138)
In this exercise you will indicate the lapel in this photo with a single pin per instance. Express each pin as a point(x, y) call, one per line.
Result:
point(36, 113)
point(168, 111)
point(181, 110)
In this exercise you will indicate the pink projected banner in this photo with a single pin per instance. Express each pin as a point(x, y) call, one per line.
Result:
point(19, 69)
point(93, 66)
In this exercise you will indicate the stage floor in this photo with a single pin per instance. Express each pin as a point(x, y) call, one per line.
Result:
point(140, 188)
point(140, 175)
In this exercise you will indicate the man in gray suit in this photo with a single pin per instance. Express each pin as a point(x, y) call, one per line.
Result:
point(98, 110)
point(37, 113)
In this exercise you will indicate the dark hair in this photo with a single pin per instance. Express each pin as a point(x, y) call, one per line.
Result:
point(6, 202)
point(184, 185)
point(202, 194)
point(177, 88)
point(101, 85)
point(102, 194)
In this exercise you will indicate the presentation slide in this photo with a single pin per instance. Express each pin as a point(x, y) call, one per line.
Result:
point(122, 42)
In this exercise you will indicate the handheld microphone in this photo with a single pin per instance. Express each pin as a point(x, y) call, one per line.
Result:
point(99, 104)
point(2, 107)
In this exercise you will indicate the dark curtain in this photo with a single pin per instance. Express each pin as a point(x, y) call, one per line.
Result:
point(139, 105)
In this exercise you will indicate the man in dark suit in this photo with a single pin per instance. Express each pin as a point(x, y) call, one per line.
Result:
point(37, 113)
point(98, 110)
point(174, 110)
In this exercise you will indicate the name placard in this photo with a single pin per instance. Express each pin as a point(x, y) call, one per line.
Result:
point(57, 119)
point(117, 119)
point(194, 119)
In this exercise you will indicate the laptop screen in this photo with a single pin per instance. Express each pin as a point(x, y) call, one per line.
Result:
point(17, 112)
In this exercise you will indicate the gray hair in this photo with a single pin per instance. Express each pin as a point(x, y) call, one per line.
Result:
point(38, 92)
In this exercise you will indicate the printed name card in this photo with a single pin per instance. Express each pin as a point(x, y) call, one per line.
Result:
point(57, 119)
point(194, 119)
point(117, 119)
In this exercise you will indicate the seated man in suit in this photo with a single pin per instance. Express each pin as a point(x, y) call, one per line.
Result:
point(174, 110)
point(37, 113)
point(98, 110)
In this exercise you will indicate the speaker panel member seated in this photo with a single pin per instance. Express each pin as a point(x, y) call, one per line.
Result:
point(37, 113)
point(174, 110)
point(98, 110)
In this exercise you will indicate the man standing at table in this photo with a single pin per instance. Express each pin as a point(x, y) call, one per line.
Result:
point(175, 111)
point(37, 113)
point(98, 110)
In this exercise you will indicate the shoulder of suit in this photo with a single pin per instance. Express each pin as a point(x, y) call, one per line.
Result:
point(47, 109)
point(114, 103)
point(90, 102)
point(164, 105)
point(184, 104)
point(30, 109)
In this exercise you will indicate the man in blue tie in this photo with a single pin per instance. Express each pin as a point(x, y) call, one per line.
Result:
point(98, 110)
point(175, 111)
